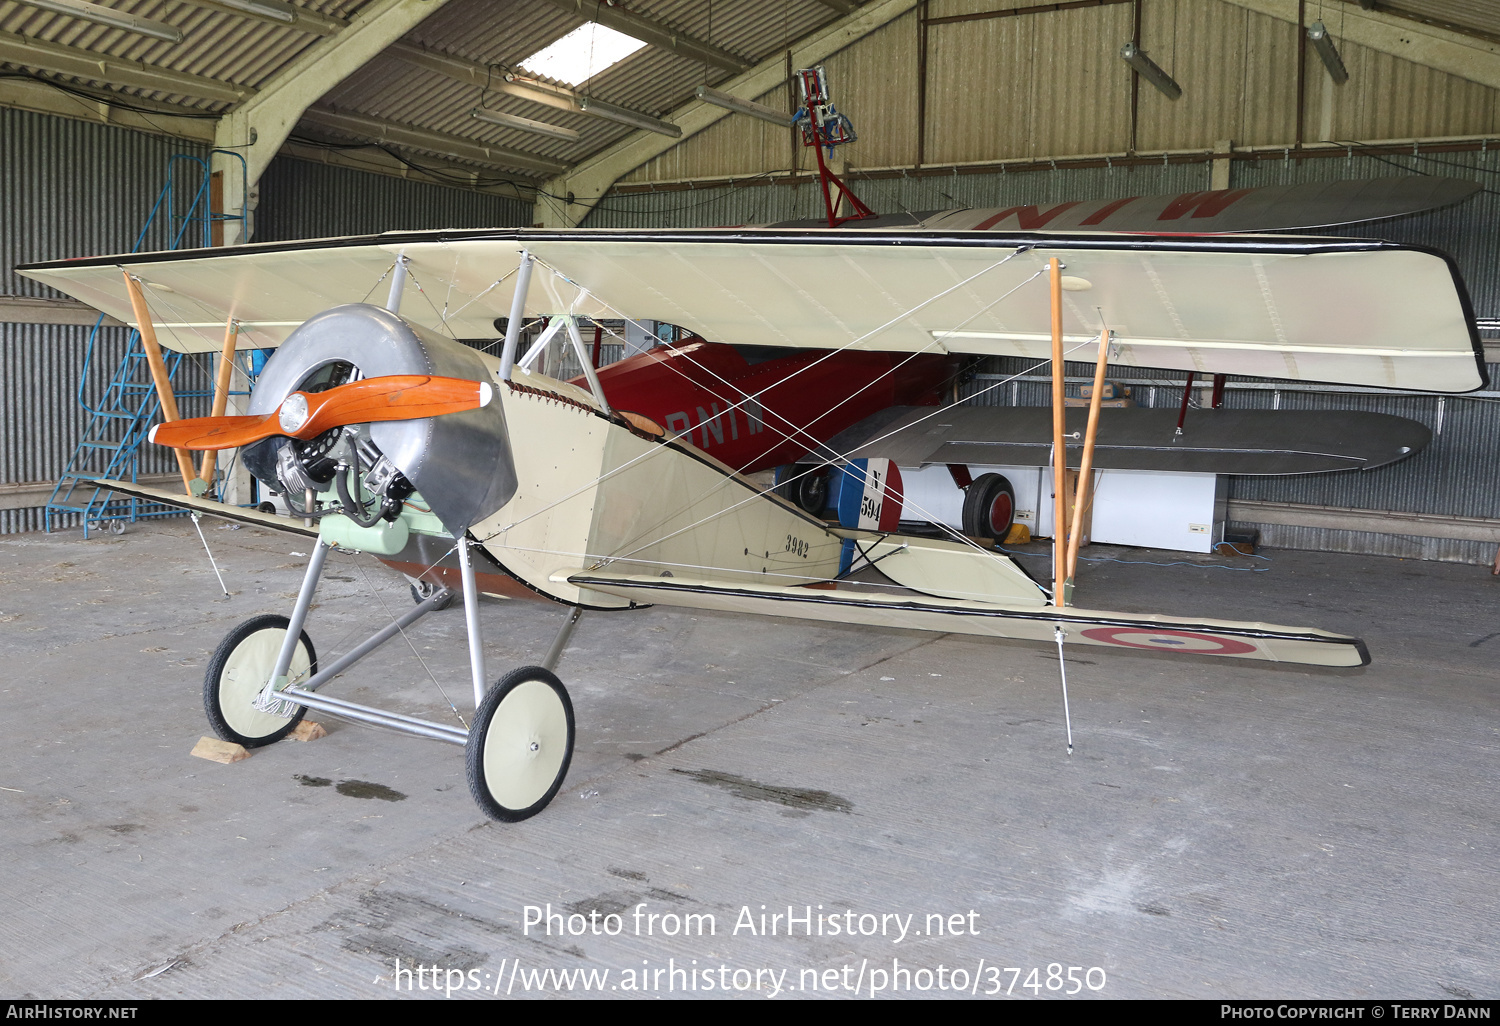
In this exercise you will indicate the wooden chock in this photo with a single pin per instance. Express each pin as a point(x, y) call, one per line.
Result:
point(308, 730)
point(214, 750)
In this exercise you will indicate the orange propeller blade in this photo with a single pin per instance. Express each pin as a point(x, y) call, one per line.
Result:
point(306, 415)
point(213, 432)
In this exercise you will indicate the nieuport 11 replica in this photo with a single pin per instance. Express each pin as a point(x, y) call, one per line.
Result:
point(476, 473)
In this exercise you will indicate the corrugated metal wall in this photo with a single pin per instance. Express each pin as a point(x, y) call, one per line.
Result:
point(303, 200)
point(1051, 84)
point(73, 188)
point(70, 188)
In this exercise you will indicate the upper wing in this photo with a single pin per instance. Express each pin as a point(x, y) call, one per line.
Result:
point(1347, 311)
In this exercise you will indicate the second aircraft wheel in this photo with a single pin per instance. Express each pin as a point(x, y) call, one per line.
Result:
point(989, 508)
point(240, 667)
point(807, 488)
point(520, 744)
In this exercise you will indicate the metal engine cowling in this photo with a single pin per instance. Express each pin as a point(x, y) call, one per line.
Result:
point(460, 462)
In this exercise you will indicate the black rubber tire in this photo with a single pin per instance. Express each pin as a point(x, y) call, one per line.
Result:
point(808, 489)
point(989, 507)
point(239, 652)
point(421, 591)
point(523, 731)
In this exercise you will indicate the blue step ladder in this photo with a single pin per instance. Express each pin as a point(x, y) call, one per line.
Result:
point(110, 447)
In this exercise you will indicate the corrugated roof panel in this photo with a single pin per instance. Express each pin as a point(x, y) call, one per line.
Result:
point(1034, 85)
point(1390, 98)
point(1267, 110)
point(507, 32)
point(1206, 49)
point(1477, 15)
point(875, 85)
point(233, 49)
point(980, 89)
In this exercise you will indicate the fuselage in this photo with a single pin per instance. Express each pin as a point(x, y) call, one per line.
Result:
point(756, 407)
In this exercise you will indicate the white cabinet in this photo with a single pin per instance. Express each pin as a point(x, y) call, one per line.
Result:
point(1184, 512)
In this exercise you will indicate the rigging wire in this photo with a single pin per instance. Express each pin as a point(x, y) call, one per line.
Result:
point(841, 459)
point(758, 494)
point(755, 396)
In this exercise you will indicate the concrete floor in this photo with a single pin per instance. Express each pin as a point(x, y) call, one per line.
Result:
point(1225, 829)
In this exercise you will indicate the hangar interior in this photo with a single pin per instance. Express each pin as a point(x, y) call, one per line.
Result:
point(144, 125)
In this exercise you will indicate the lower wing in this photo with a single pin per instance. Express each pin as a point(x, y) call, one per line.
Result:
point(1155, 633)
point(223, 510)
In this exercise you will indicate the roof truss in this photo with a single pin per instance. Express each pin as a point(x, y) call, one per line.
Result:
point(90, 66)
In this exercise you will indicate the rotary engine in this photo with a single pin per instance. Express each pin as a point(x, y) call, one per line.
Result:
point(460, 462)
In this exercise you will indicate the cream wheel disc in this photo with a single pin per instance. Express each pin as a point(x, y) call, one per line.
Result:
point(520, 744)
point(239, 670)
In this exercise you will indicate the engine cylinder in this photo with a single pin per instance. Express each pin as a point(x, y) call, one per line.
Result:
point(460, 462)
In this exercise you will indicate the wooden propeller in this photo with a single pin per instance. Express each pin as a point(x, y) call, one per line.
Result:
point(306, 415)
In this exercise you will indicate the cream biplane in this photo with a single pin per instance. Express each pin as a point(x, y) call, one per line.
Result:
point(476, 473)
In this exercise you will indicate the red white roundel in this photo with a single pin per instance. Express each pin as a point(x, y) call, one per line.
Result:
point(1168, 640)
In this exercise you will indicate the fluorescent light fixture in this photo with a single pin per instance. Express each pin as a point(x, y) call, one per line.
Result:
point(1327, 52)
point(719, 98)
point(582, 54)
point(1147, 68)
point(625, 116)
point(496, 117)
point(101, 15)
point(264, 10)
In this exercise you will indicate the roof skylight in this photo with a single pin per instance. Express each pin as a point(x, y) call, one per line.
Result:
point(582, 54)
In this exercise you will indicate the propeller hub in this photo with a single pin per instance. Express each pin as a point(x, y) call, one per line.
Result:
point(294, 413)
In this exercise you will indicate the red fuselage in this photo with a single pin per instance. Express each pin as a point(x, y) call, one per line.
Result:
point(797, 398)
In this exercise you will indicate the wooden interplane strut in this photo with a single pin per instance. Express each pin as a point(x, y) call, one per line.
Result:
point(159, 377)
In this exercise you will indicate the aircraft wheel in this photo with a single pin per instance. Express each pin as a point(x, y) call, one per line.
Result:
point(989, 507)
point(421, 591)
point(809, 491)
point(520, 744)
point(240, 667)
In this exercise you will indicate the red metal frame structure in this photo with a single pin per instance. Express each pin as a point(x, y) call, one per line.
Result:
point(824, 126)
